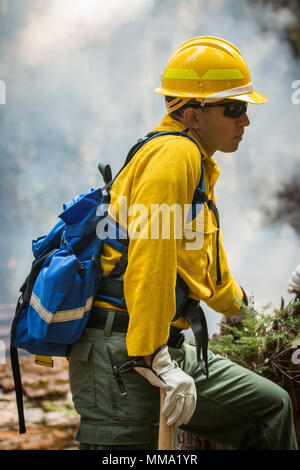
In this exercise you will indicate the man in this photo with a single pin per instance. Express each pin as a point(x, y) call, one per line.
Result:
point(133, 342)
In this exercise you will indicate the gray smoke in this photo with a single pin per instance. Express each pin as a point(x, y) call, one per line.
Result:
point(80, 76)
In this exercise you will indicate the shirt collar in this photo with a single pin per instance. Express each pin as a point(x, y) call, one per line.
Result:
point(168, 123)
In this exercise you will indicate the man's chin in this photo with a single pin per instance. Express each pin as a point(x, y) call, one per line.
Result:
point(230, 148)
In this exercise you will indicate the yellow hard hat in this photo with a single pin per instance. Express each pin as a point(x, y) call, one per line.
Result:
point(209, 69)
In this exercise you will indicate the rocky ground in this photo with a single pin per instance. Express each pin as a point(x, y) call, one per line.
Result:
point(51, 420)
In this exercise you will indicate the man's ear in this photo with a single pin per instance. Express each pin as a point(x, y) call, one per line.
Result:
point(191, 118)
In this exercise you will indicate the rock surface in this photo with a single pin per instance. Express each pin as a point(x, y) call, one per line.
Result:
point(51, 420)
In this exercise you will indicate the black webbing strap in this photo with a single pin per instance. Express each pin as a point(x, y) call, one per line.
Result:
point(142, 142)
point(195, 316)
point(112, 288)
point(26, 290)
point(121, 266)
point(181, 296)
point(27, 287)
point(202, 197)
point(18, 387)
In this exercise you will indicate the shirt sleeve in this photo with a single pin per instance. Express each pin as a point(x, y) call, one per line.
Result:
point(164, 182)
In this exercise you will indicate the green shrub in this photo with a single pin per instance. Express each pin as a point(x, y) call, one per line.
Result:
point(263, 341)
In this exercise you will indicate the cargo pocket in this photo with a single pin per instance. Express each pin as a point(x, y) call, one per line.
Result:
point(82, 376)
point(134, 399)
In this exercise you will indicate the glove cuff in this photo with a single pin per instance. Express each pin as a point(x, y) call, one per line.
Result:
point(140, 360)
point(149, 372)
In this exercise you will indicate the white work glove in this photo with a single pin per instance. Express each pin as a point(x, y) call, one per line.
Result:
point(294, 281)
point(181, 395)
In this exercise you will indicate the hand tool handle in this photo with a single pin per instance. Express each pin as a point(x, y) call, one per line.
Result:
point(166, 433)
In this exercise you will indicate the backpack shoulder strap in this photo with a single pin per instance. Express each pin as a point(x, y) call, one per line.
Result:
point(141, 142)
point(184, 133)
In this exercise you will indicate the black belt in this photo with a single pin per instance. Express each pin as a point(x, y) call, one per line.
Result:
point(98, 318)
point(193, 313)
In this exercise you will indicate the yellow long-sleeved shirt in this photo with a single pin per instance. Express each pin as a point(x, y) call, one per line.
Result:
point(166, 171)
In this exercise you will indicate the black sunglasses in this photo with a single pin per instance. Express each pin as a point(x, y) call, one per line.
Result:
point(234, 109)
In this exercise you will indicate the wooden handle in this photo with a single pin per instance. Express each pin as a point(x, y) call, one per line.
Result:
point(166, 433)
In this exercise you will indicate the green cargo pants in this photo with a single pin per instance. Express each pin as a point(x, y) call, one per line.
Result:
point(119, 408)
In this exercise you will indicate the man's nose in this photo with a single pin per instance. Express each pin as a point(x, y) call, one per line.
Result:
point(244, 120)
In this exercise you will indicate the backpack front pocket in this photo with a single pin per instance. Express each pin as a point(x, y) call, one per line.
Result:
point(61, 298)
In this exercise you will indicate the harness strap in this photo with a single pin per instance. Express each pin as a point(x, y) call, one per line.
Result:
point(111, 290)
point(202, 197)
point(121, 265)
point(197, 321)
point(140, 144)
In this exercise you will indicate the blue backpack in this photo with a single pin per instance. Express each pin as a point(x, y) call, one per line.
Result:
point(57, 296)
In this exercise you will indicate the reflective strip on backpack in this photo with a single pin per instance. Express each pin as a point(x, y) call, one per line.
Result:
point(60, 315)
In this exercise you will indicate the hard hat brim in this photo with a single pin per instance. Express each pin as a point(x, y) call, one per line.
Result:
point(253, 97)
